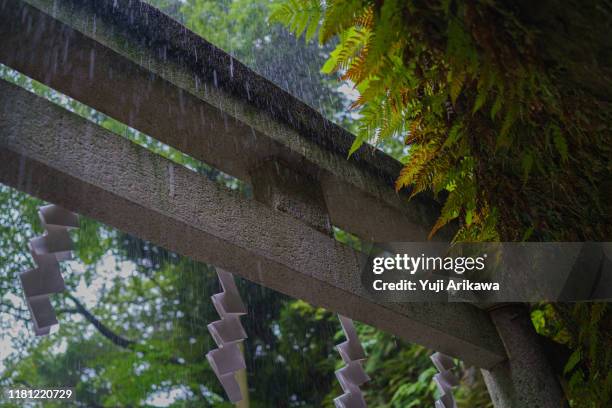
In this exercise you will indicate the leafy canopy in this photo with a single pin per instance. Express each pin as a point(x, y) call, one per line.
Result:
point(496, 115)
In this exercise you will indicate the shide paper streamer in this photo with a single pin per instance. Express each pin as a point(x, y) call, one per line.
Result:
point(47, 251)
point(445, 380)
point(227, 333)
point(352, 375)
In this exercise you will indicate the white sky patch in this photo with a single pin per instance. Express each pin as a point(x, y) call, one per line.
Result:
point(348, 90)
point(165, 398)
point(350, 94)
point(6, 345)
point(106, 270)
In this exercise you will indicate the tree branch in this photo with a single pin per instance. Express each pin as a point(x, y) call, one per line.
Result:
point(101, 327)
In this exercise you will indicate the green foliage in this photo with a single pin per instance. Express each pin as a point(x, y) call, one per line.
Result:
point(230, 24)
point(484, 104)
point(301, 17)
point(505, 108)
point(240, 27)
point(586, 330)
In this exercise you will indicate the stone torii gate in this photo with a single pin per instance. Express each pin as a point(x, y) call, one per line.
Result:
point(128, 60)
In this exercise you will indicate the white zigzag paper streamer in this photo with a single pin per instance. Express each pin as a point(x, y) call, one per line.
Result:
point(445, 380)
point(227, 333)
point(47, 250)
point(352, 375)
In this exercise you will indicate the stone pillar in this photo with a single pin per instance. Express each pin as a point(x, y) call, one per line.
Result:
point(526, 379)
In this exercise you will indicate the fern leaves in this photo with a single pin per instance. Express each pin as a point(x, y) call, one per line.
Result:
point(341, 15)
point(299, 16)
point(455, 84)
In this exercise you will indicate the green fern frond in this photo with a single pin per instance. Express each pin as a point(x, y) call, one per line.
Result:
point(339, 16)
point(300, 17)
point(419, 155)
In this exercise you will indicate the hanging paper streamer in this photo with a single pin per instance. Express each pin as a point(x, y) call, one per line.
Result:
point(352, 375)
point(227, 333)
point(47, 250)
point(445, 380)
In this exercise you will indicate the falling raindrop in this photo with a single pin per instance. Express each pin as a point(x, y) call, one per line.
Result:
point(92, 62)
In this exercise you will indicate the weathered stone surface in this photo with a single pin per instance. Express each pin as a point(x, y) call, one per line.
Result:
point(130, 61)
point(526, 379)
point(297, 194)
point(53, 154)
